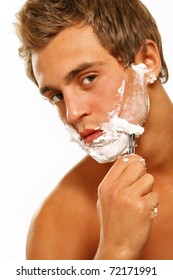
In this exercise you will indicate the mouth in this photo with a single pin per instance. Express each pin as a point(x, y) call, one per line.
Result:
point(89, 135)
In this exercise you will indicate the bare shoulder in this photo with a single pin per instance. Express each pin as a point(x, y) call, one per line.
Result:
point(66, 225)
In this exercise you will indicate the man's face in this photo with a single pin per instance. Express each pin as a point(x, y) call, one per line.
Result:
point(85, 82)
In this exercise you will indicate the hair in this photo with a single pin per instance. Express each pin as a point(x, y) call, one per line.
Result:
point(121, 26)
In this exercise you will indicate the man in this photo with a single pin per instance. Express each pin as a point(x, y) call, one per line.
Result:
point(101, 64)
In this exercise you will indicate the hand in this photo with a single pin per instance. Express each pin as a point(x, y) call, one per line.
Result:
point(125, 205)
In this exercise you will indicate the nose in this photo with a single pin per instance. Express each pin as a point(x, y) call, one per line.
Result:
point(77, 106)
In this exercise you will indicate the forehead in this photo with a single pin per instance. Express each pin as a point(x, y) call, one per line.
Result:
point(70, 47)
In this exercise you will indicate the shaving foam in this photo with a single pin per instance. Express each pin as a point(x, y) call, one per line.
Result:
point(114, 141)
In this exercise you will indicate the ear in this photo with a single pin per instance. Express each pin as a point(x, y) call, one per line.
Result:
point(149, 55)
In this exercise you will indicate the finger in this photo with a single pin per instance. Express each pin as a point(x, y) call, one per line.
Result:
point(143, 186)
point(131, 174)
point(120, 166)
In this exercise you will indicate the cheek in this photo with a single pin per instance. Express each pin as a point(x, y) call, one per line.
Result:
point(110, 95)
point(135, 103)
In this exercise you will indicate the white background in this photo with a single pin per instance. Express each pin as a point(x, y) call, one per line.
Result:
point(34, 148)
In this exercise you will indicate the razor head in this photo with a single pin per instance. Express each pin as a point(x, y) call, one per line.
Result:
point(132, 144)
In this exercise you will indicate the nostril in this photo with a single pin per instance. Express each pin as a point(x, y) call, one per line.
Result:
point(75, 111)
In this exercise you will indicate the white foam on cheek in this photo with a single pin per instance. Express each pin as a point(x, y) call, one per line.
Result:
point(136, 105)
point(142, 98)
point(117, 105)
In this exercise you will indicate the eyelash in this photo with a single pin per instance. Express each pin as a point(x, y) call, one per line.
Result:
point(59, 97)
point(92, 77)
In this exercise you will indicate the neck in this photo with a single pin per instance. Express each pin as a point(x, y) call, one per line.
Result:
point(156, 144)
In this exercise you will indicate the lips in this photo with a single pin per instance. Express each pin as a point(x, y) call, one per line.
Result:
point(89, 135)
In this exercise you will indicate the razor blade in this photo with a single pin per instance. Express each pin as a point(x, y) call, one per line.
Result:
point(132, 143)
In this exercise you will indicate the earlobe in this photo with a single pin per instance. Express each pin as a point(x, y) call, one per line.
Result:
point(149, 55)
point(150, 77)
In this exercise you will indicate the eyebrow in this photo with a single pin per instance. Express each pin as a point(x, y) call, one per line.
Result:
point(81, 67)
point(73, 73)
point(43, 90)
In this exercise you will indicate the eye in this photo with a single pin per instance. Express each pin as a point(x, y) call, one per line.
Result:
point(88, 80)
point(56, 98)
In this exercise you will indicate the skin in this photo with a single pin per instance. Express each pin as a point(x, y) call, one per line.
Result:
point(108, 214)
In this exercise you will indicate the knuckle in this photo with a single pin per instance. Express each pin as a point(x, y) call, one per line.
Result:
point(116, 191)
point(141, 208)
point(123, 197)
point(112, 193)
